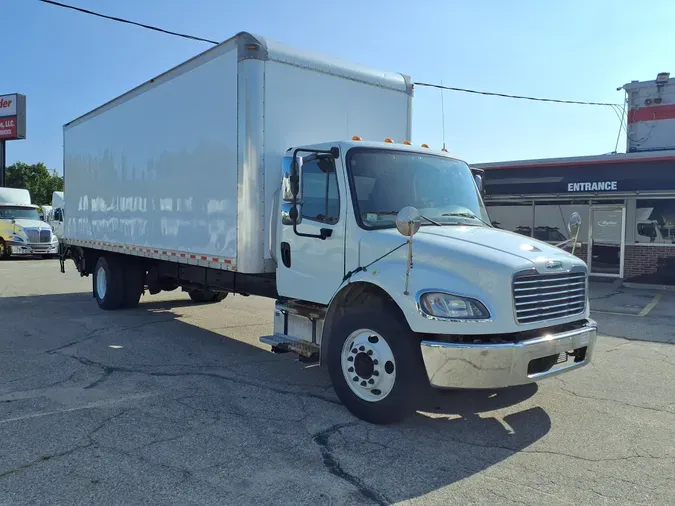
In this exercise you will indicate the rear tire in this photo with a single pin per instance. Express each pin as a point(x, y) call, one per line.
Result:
point(375, 364)
point(108, 283)
point(206, 296)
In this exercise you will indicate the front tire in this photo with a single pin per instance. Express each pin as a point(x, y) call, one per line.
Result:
point(375, 364)
point(5, 251)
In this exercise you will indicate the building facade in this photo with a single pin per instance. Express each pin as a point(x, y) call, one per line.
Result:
point(627, 204)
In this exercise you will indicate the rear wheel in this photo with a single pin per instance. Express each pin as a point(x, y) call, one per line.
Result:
point(108, 283)
point(206, 296)
point(375, 364)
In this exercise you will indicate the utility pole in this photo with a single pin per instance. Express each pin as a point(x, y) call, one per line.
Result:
point(2, 163)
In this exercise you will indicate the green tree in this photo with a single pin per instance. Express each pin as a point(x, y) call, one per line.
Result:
point(36, 179)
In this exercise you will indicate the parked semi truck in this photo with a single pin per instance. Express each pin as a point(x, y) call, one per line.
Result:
point(243, 171)
point(22, 232)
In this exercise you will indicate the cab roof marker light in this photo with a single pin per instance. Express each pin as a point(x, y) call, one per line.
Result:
point(425, 146)
point(389, 141)
point(407, 143)
point(357, 138)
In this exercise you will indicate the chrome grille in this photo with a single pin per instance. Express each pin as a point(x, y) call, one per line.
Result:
point(539, 297)
point(33, 235)
point(36, 236)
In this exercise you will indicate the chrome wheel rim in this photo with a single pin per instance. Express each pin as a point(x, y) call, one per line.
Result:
point(368, 365)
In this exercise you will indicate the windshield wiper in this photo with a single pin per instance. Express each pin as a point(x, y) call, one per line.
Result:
point(468, 214)
point(433, 222)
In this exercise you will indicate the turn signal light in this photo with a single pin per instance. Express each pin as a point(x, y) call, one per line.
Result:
point(407, 143)
point(388, 140)
point(425, 146)
point(357, 138)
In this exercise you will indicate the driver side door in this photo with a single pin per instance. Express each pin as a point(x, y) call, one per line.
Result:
point(311, 268)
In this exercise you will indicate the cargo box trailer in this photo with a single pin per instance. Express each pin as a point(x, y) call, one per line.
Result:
point(259, 169)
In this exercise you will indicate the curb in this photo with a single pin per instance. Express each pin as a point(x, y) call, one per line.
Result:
point(645, 286)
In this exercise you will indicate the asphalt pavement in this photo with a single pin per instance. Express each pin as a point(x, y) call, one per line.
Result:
point(178, 403)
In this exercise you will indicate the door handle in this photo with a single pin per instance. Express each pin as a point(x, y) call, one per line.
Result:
point(286, 254)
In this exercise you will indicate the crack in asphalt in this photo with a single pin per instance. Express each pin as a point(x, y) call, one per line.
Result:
point(109, 370)
point(94, 333)
point(333, 466)
point(569, 391)
point(91, 442)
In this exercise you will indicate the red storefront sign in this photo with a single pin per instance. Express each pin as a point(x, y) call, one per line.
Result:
point(8, 128)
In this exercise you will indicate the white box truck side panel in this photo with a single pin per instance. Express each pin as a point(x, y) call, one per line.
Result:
point(156, 169)
point(308, 106)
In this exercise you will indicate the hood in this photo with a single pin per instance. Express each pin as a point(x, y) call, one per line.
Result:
point(23, 223)
point(481, 247)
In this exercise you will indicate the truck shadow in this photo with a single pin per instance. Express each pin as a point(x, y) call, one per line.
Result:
point(216, 384)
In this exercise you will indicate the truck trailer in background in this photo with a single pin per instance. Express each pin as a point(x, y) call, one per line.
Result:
point(243, 171)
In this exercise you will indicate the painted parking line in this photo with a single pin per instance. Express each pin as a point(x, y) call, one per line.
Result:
point(645, 311)
point(651, 305)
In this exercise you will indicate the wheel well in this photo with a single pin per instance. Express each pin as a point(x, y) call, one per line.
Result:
point(354, 294)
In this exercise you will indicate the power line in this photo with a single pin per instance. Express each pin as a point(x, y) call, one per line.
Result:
point(122, 20)
point(521, 97)
point(439, 86)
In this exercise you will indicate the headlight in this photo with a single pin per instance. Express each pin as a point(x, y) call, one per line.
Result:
point(17, 238)
point(444, 305)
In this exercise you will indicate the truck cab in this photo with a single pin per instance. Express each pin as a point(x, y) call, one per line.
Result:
point(57, 213)
point(388, 267)
point(22, 232)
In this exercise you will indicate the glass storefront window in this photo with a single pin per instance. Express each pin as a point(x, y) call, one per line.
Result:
point(512, 216)
point(551, 217)
point(655, 221)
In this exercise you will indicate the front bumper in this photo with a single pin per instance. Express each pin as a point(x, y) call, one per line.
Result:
point(460, 365)
point(34, 249)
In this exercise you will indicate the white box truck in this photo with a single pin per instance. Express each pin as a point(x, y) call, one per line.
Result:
point(243, 171)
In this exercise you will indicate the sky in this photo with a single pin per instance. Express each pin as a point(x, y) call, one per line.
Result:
point(67, 63)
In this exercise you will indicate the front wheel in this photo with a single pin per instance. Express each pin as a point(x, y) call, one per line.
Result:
point(375, 364)
point(5, 251)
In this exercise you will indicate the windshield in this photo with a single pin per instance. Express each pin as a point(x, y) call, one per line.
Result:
point(442, 189)
point(18, 213)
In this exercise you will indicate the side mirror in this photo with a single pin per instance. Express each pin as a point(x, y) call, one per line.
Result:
point(574, 224)
point(479, 181)
point(408, 221)
point(291, 174)
point(291, 215)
